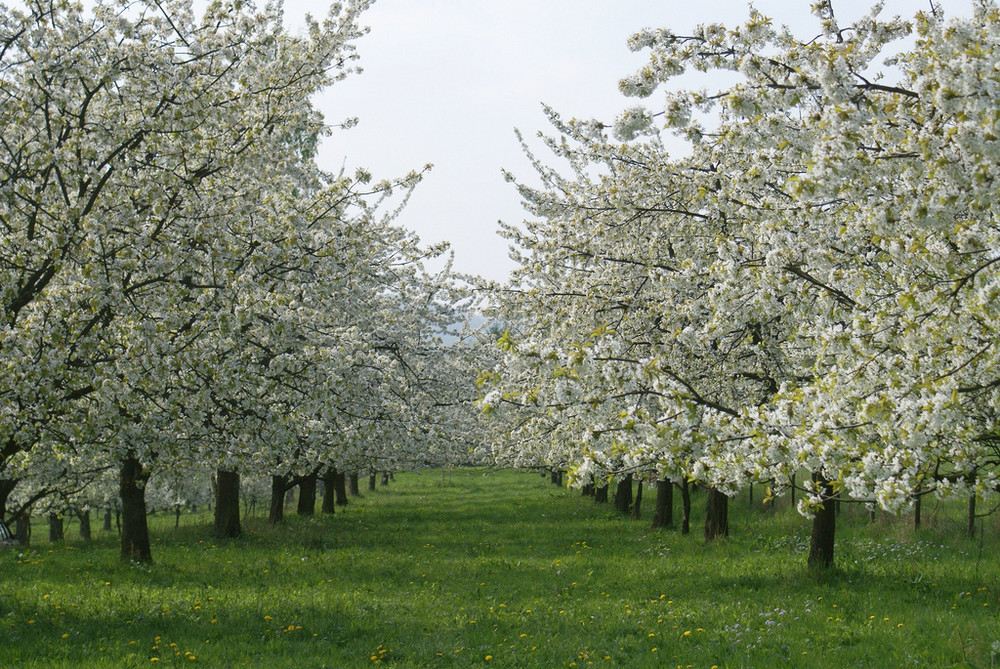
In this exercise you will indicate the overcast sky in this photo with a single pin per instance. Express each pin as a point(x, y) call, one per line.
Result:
point(447, 81)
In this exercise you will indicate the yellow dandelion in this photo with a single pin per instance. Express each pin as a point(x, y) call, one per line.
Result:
point(489, 657)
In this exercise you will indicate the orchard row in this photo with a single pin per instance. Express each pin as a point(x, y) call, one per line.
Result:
point(181, 287)
point(796, 268)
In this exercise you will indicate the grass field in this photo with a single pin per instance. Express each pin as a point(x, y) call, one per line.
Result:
point(504, 569)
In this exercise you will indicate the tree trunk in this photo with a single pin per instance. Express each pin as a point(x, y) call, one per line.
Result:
point(916, 511)
point(588, 490)
point(385, 478)
point(371, 482)
point(107, 520)
point(340, 487)
point(328, 491)
point(637, 506)
point(824, 528)
point(685, 506)
point(663, 510)
point(227, 504)
point(307, 495)
point(135, 531)
point(716, 515)
point(23, 527)
point(970, 530)
point(55, 528)
point(6, 488)
point(85, 532)
point(601, 494)
point(276, 512)
point(623, 495)
point(352, 485)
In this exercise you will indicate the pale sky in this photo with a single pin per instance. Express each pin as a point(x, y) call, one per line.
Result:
point(447, 81)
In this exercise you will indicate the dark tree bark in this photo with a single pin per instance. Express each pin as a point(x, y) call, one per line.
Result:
point(352, 485)
point(55, 528)
point(970, 529)
point(107, 520)
point(685, 506)
point(824, 528)
point(85, 531)
point(6, 488)
point(916, 511)
point(307, 495)
point(623, 495)
point(385, 478)
point(663, 511)
point(601, 494)
point(329, 496)
point(716, 515)
point(135, 531)
point(276, 511)
point(227, 504)
point(637, 505)
point(371, 482)
point(340, 487)
point(588, 490)
point(23, 527)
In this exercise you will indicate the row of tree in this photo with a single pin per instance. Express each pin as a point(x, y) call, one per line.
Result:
point(181, 287)
point(811, 281)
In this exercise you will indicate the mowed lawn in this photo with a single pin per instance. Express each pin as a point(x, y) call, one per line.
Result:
point(504, 569)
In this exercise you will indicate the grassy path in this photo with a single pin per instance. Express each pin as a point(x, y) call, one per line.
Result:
point(503, 569)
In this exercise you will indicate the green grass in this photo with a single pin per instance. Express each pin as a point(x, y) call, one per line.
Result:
point(503, 569)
